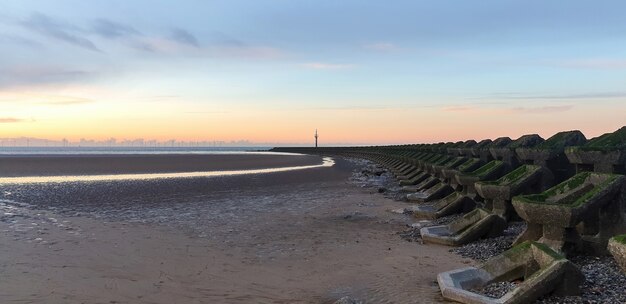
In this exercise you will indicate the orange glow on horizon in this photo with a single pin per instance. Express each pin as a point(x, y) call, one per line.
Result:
point(74, 113)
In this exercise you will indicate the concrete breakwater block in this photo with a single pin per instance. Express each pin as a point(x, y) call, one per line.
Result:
point(437, 191)
point(454, 203)
point(418, 178)
point(462, 149)
point(489, 171)
point(409, 175)
point(535, 269)
point(606, 153)
point(617, 247)
point(451, 164)
point(427, 183)
point(431, 167)
point(472, 226)
point(449, 174)
point(579, 214)
point(498, 193)
point(550, 155)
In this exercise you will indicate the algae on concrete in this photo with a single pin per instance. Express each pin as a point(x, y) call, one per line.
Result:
point(620, 239)
point(563, 139)
point(569, 185)
point(608, 141)
point(486, 169)
point(468, 164)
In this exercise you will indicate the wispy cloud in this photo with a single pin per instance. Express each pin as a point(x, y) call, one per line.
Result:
point(326, 66)
point(36, 75)
point(111, 29)
point(542, 110)
point(590, 95)
point(167, 46)
point(595, 63)
point(219, 38)
point(182, 36)
point(506, 109)
point(10, 120)
point(22, 41)
point(49, 27)
point(65, 100)
point(458, 108)
point(382, 46)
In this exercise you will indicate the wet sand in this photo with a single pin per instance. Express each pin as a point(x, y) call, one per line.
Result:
point(306, 236)
point(46, 165)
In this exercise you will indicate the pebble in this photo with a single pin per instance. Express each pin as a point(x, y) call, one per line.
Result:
point(495, 290)
point(604, 282)
point(484, 249)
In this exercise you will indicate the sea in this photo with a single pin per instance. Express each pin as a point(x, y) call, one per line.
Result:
point(128, 150)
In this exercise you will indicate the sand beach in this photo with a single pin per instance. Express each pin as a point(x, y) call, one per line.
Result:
point(304, 236)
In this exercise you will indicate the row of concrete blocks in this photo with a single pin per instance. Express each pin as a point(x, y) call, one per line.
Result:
point(505, 179)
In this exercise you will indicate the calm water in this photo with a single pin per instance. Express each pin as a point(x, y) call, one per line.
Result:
point(129, 150)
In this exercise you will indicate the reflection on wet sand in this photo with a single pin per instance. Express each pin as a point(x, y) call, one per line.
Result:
point(327, 162)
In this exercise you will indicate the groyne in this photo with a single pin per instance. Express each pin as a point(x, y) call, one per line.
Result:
point(568, 189)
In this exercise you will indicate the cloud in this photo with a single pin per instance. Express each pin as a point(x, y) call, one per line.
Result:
point(65, 100)
point(591, 95)
point(326, 66)
point(10, 120)
point(542, 110)
point(494, 109)
point(595, 63)
point(54, 29)
point(458, 108)
point(28, 75)
point(382, 46)
point(21, 41)
point(171, 47)
point(219, 38)
point(111, 30)
point(182, 36)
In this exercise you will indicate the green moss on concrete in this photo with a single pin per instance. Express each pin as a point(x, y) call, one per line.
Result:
point(546, 249)
point(468, 164)
point(596, 189)
point(562, 139)
point(565, 186)
point(437, 158)
point(514, 175)
point(620, 239)
point(609, 141)
point(518, 249)
point(526, 141)
point(443, 161)
point(483, 143)
point(572, 183)
point(486, 169)
point(500, 142)
point(525, 246)
point(456, 144)
point(468, 144)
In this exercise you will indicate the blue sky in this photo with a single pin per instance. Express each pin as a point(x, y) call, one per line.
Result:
point(71, 67)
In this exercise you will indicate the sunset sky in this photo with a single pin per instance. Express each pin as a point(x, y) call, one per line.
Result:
point(366, 72)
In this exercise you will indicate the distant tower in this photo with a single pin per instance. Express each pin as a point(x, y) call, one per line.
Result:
point(316, 136)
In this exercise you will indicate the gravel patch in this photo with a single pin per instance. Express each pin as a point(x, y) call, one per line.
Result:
point(495, 290)
point(484, 249)
point(376, 177)
point(604, 282)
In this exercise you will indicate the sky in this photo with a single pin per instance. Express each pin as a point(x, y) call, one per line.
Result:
point(362, 72)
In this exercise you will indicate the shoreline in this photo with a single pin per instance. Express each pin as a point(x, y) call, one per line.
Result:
point(306, 237)
point(90, 164)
